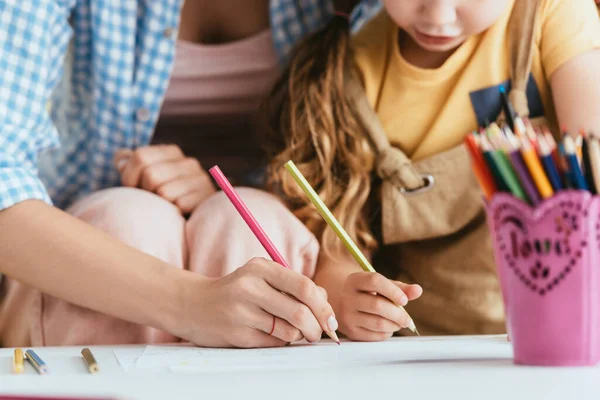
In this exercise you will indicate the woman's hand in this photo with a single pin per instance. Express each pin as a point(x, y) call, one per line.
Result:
point(368, 309)
point(166, 171)
point(248, 309)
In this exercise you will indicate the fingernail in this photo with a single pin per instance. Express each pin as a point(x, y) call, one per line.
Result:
point(403, 300)
point(332, 323)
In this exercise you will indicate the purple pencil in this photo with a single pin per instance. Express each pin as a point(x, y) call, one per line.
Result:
point(519, 165)
point(520, 168)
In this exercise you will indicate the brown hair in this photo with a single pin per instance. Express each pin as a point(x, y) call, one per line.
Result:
point(311, 122)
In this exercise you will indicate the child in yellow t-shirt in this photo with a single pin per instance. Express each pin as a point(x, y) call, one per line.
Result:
point(431, 70)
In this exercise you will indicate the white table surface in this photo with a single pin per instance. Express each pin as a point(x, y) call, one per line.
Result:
point(467, 367)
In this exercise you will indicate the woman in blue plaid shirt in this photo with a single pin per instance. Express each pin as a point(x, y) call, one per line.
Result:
point(99, 200)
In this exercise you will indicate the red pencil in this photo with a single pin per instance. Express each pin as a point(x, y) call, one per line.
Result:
point(480, 167)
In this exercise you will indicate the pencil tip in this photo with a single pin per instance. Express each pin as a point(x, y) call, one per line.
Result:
point(333, 336)
point(413, 327)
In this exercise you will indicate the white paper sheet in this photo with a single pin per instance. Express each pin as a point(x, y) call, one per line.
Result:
point(127, 357)
point(326, 354)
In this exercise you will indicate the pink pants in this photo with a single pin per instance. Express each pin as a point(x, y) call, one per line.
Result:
point(214, 241)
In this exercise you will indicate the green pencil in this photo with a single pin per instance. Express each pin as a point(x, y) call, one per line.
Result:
point(508, 174)
point(334, 224)
point(502, 166)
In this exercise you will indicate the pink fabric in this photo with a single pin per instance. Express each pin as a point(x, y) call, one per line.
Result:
point(228, 78)
point(211, 105)
point(214, 242)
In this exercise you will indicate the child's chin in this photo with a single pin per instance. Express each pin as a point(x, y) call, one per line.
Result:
point(441, 48)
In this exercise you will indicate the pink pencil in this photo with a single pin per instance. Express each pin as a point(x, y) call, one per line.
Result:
point(247, 215)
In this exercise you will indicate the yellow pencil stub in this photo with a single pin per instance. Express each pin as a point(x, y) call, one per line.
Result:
point(18, 366)
point(90, 361)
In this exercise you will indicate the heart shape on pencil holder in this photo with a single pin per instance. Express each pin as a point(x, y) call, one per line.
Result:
point(547, 264)
point(542, 258)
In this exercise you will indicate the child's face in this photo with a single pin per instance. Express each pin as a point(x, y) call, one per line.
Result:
point(442, 25)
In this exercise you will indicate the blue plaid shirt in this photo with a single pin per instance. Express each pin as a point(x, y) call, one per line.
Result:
point(80, 79)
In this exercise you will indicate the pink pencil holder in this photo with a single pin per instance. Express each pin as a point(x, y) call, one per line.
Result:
point(549, 270)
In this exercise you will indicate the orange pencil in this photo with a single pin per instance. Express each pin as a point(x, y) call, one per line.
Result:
point(484, 184)
point(579, 145)
point(535, 169)
point(480, 168)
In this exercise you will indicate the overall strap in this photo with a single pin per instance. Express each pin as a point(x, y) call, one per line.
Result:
point(391, 163)
point(521, 32)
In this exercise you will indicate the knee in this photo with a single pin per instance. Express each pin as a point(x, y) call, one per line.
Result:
point(217, 217)
point(217, 212)
point(125, 210)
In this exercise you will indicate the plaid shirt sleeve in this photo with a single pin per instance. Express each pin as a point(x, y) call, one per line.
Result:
point(33, 38)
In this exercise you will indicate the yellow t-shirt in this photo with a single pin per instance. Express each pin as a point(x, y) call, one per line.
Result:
point(427, 111)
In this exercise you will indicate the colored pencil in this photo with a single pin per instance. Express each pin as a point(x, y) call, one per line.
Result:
point(549, 164)
point(522, 172)
point(482, 181)
point(90, 361)
point(563, 166)
point(508, 175)
point(549, 138)
point(520, 128)
point(253, 224)
point(594, 150)
point(586, 164)
point(496, 137)
point(18, 359)
point(554, 149)
point(530, 133)
point(579, 148)
point(487, 150)
point(334, 224)
point(503, 164)
point(571, 156)
point(480, 168)
point(572, 163)
point(535, 169)
point(37, 363)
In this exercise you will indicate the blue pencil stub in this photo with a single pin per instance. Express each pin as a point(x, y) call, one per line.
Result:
point(37, 363)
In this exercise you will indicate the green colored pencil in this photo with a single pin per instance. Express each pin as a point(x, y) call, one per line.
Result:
point(335, 225)
point(502, 168)
point(508, 174)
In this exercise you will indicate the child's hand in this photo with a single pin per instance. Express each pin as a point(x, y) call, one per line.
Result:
point(166, 171)
point(365, 316)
